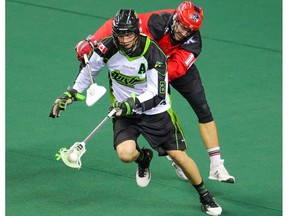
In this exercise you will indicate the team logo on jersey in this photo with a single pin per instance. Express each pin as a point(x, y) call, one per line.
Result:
point(158, 64)
point(102, 47)
point(129, 81)
point(190, 40)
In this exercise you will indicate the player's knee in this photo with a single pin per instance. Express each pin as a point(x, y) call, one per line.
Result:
point(203, 113)
point(125, 152)
point(178, 156)
point(125, 157)
point(200, 106)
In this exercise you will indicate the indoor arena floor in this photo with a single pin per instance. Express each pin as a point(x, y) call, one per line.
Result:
point(241, 70)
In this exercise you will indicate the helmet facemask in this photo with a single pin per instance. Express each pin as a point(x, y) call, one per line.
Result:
point(122, 44)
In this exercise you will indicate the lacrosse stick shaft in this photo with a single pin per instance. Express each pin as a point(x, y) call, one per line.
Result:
point(89, 68)
point(100, 125)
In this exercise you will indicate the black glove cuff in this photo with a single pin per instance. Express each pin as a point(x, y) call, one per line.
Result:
point(137, 103)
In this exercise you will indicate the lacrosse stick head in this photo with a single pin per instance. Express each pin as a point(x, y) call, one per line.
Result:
point(72, 156)
point(94, 93)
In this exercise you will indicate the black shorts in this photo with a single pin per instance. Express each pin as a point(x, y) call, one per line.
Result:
point(162, 131)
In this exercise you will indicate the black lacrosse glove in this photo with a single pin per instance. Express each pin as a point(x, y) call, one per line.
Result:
point(61, 103)
point(127, 107)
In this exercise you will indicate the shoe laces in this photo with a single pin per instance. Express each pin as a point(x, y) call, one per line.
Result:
point(142, 172)
point(209, 200)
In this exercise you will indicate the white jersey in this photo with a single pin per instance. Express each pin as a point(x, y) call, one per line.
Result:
point(143, 73)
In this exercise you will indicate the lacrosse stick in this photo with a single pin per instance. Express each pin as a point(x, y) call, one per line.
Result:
point(94, 92)
point(72, 156)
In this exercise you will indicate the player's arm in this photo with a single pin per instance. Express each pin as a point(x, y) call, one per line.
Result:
point(179, 63)
point(83, 80)
point(185, 56)
point(97, 61)
point(86, 46)
point(156, 74)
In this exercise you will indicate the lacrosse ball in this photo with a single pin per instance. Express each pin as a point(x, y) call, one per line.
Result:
point(73, 157)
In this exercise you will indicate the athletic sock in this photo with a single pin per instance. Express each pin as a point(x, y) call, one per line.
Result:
point(141, 156)
point(214, 154)
point(144, 158)
point(201, 188)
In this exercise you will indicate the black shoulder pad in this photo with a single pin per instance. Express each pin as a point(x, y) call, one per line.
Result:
point(156, 58)
point(105, 48)
point(158, 23)
point(193, 43)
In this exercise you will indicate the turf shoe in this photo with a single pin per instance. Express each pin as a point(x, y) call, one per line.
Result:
point(178, 170)
point(219, 173)
point(143, 174)
point(209, 205)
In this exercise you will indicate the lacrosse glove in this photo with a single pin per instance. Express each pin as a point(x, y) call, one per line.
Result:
point(61, 103)
point(85, 47)
point(127, 107)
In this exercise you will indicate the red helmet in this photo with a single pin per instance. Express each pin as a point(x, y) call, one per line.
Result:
point(190, 15)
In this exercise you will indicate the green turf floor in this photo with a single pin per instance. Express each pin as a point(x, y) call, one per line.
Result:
point(241, 68)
